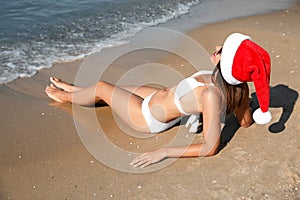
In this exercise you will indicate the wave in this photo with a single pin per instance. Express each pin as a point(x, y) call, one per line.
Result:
point(64, 43)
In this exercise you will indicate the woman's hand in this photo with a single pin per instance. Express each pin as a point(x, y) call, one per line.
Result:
point(149, 158)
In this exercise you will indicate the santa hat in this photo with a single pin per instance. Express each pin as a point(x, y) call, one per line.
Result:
point(243, 61)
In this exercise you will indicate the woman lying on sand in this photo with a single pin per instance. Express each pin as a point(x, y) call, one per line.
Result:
point(153, 110)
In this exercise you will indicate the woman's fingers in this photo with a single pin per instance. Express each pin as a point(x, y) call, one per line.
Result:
point(146, 164)
point(140, 161)
point(149, 158)
point(142, 164)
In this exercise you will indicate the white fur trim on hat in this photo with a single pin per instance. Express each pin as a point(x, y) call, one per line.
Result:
point(230, 47)
point(262, 117)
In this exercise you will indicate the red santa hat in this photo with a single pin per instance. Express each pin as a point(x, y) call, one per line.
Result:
point(243, 61)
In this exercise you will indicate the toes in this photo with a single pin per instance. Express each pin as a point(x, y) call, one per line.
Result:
point(52, 86)
point(49, 89)
point(54, 79)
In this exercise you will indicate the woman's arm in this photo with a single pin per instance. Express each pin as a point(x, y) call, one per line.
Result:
point(244, 112)
point(211, 136)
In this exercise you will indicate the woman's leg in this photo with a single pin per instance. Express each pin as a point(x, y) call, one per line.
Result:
point(142, 91)
point(126, 104)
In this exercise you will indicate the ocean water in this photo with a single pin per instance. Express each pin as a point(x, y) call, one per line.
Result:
point(34, 34)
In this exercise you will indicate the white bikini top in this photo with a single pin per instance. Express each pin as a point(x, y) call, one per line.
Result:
point(185, 86)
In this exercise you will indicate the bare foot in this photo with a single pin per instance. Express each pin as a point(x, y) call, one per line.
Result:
point(56, 94)
point(63, 85)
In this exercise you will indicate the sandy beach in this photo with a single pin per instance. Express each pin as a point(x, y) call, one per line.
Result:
point(43, 156)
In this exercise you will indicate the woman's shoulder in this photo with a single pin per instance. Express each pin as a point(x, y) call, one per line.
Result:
point(211, 95)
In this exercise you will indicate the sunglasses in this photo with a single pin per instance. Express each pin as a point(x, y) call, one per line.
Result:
point(219, 52)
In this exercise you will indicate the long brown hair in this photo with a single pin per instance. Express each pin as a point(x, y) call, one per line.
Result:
point(234, 94)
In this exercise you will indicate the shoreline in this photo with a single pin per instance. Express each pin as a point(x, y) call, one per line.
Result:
point(42, 155)
point(200, 15)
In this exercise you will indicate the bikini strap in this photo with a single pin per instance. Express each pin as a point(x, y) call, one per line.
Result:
point(184, 87)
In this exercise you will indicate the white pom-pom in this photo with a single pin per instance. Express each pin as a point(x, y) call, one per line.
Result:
point(262, 117)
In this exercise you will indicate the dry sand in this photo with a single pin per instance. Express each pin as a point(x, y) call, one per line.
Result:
point(42, 156)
